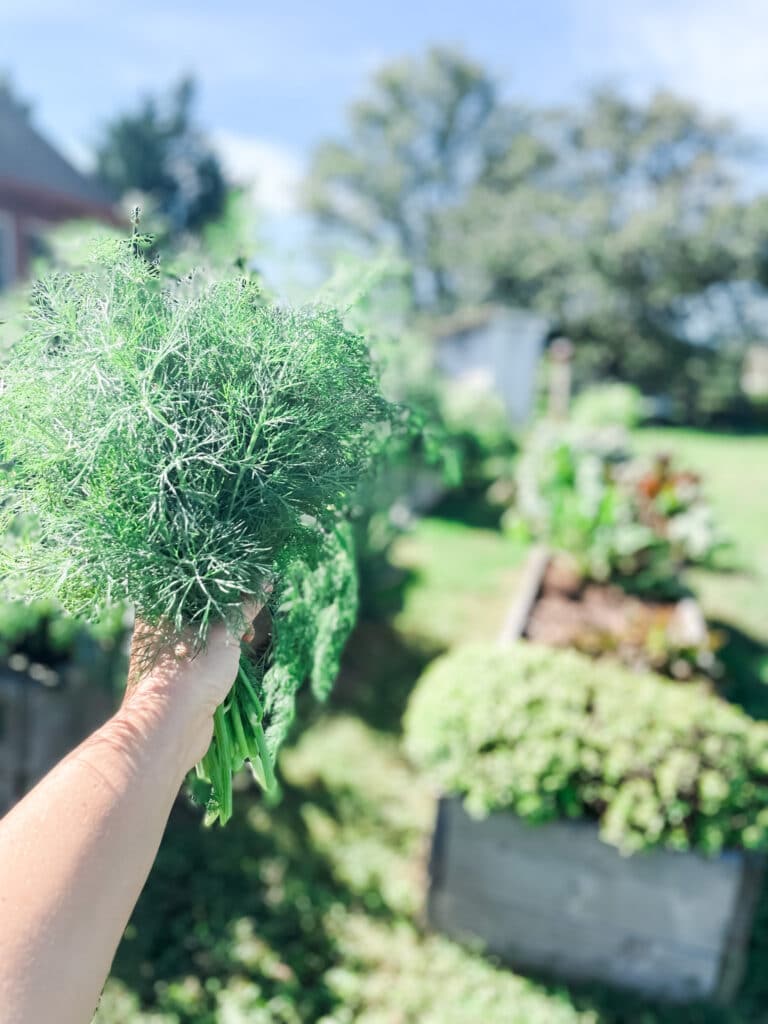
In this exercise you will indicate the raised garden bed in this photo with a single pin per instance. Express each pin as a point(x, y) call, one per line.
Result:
point(554, 898)
point(557, 607)
point(595, 823)
point(43, 716)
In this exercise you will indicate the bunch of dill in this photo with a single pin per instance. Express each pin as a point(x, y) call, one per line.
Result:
point(183, 448)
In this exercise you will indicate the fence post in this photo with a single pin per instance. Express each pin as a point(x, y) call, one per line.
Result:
point(560, 358)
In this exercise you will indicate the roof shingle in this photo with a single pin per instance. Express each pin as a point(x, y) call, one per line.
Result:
point(27, 158)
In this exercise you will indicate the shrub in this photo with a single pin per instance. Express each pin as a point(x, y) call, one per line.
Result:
point(551, 734)
point(608, 405)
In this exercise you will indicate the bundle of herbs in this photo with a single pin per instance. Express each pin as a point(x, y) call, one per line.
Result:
point(184, 448)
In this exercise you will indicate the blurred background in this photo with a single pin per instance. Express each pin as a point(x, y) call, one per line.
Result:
point(551, 221)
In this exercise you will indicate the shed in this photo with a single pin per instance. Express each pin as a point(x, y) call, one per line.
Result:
point(495, 348)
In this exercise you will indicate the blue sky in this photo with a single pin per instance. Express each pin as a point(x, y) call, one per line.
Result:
point(275, 78)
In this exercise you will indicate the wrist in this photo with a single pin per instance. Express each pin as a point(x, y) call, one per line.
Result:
point(169, 717)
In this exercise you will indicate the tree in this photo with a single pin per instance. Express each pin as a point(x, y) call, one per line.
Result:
point(624, 222)
point(625, 240)
point(158, 150)
point(430, 129)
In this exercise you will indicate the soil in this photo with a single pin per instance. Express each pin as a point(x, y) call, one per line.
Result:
point(601, 619)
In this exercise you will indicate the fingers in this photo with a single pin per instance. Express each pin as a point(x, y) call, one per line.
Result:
point(251, 609)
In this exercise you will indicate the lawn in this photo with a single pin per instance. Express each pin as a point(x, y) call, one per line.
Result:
point(309, 912)
point(461, 580)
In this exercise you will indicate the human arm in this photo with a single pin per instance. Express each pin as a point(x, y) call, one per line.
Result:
point(76, 851)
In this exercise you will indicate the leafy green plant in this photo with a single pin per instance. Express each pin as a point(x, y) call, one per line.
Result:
point(635, 521)
point(552, 734)
point(38, 638)
point(608, 405)
point(181, 446)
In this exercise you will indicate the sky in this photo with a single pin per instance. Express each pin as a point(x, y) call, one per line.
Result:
point(276, 78)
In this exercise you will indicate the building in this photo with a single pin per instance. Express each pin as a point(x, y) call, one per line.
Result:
point(494, 349)
point(38, 188)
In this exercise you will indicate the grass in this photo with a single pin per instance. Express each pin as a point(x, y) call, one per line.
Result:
point(461, 581)
point(310, 912)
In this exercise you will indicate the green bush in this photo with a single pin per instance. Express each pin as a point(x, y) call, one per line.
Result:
point(37, 635)
point(611, 404)
point(552, 734)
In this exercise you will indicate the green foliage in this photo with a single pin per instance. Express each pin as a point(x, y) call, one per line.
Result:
point(314, 612)
point(736, 468)
point(42, 634)
point(316, 901)
point(178, 446)
point(415, 145)
point(635, 232)
point(635, 521)
point(477, 435)
point(608, 405)
point(306, 913)
point(158, 151)
point(623, 221)
point(552, 734)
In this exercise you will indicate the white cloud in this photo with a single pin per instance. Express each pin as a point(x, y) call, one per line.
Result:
point(713, 52)
point(273, 172)
point(270, 171)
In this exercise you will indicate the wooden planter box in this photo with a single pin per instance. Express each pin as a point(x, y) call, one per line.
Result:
point(555, 606)
point(40, 724)
point(555, 899)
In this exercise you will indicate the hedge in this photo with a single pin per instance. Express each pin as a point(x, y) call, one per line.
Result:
point(552, 734)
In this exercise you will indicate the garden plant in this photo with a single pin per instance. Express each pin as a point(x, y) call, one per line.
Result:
point(182, 447)
point(635, 521)
point(552, 734)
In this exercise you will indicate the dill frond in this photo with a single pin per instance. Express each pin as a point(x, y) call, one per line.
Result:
point(182, 449)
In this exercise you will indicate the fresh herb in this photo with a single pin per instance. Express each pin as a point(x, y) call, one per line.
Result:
point(183, 447)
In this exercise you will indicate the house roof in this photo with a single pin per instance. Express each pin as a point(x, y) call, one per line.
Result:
point(28, 160)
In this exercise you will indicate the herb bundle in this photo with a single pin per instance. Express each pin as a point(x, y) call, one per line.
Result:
point(183, 448)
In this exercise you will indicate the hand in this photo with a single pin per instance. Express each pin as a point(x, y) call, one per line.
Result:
point(182, 682)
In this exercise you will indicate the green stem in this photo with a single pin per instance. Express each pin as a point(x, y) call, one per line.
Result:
point(244, 465)
point(237, 728)
point(266, 760)
point(256, 770)
point(224, 773)
point(242, 676)
point(258, 731)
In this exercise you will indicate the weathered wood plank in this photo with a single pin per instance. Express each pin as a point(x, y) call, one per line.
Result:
point(554, 898)
point(525, 596)
point(41, 725)
point(59, 719)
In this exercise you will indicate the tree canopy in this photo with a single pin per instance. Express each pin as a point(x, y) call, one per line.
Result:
point(626, 222)
point(428, 131)
point(158, 150)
